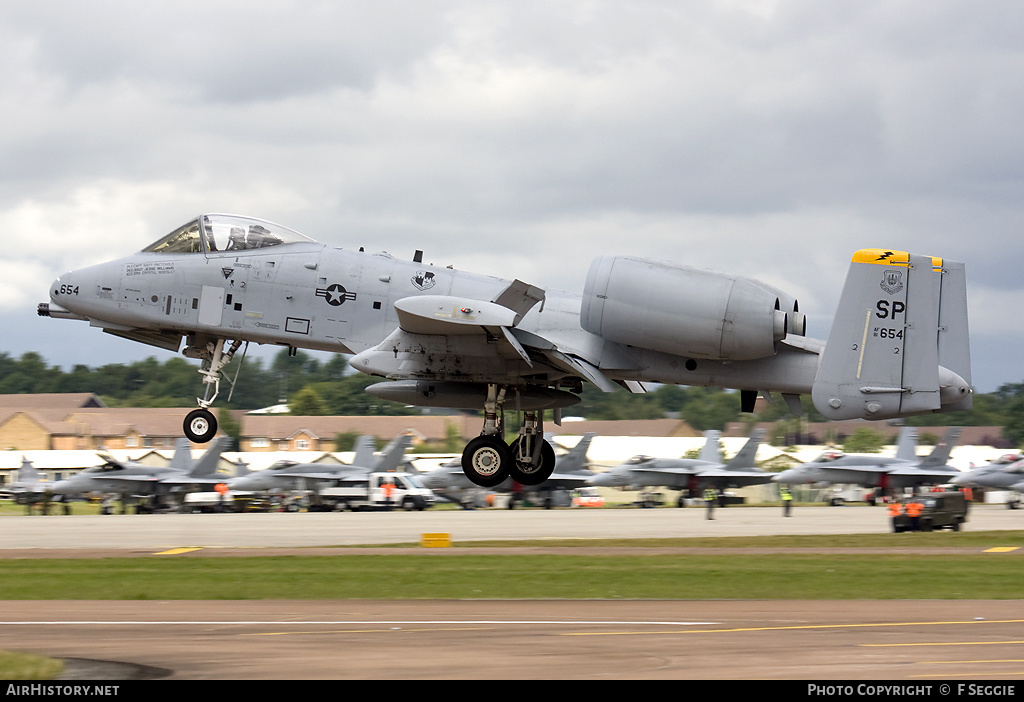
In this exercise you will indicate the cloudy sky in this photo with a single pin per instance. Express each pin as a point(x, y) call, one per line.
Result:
point(759, 137)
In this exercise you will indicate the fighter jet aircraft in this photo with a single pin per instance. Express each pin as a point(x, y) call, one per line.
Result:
point(689, 474)
point(448, 338)
point(129, 479)
point(903, 470)
point(292, 475)
point(1005, 473)
point(29, 485)
point(449, 481)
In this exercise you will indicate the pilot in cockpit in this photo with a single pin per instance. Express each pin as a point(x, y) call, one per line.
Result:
point(236, 239)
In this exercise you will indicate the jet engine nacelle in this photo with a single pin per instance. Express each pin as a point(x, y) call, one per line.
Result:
point(683, 311)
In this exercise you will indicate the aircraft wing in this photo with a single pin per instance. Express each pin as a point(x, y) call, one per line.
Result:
point(324, 476)
point(451, 336)
point(569, 480)
point(446, 315)
point(741, 474)
point(932, 474)
point(665, 471)
point(186, 480)
point(736, 477)
point(862, 469)
point(141, 479)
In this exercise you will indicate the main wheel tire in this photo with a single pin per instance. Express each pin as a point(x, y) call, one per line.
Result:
point(486, 461)
point(200, 426)
point(528, 474)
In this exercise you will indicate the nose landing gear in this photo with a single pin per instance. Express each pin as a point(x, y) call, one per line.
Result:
point(200, 425)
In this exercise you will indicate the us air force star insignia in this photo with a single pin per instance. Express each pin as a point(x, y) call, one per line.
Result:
point(335, 294)
point(892, 281)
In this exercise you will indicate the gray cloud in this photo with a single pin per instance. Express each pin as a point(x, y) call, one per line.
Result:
point(766, 138)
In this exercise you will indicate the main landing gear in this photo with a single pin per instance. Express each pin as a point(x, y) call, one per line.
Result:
point(200, 424)
point(488, 461)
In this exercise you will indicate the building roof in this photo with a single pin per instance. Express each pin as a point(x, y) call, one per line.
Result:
point(51, 400)
point(281, 426)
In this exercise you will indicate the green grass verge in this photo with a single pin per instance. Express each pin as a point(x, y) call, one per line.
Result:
point(23, 666)
point(514, 575)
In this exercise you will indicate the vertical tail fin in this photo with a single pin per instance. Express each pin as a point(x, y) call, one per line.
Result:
point(906, 448)
point(393, 454)
point(901, 319)
point(576, 459)
point(744, 460)
point(711, 453)
point(364, 457)
point(28, 472)
point(940, 454)
point(206, 465)
point(182, 458)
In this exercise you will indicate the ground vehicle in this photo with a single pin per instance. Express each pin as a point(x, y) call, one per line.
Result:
point(587, 497)
point(940, 510)
point(367, 492)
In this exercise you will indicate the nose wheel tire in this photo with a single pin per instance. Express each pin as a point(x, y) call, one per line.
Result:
point(200, 426)
point(527, 473)
point(486, 461)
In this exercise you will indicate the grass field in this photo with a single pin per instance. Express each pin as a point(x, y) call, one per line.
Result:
point(628, 570)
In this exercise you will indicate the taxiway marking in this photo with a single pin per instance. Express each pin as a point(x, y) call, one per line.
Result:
point(796, 627)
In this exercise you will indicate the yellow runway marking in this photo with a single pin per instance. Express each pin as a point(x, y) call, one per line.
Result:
point(791, 628)
point(997, 660)
point(951, 643)
point(1001, 549)
point(176, 551)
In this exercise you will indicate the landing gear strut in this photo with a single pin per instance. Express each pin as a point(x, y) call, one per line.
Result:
point(200, 424)
point(488, 461)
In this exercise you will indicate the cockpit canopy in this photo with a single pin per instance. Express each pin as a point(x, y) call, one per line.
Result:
point(222, 233)
point(828, 457)
point(638, 460)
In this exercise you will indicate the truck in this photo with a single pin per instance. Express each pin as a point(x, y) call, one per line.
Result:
point(939, 510)
point(364, 492)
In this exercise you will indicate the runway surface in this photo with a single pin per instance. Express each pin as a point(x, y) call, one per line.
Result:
point(348, 528)
point(904, 640)
point(573, 640)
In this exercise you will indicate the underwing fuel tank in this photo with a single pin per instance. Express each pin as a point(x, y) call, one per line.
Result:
point(685, 311)
point(528, 398)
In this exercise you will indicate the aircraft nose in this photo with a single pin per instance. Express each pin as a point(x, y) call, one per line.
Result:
point(60, 487)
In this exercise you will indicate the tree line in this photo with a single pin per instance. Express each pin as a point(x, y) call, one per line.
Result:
point(314, 387)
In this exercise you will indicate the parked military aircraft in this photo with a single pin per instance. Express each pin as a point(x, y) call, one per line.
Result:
point(903, 470)
point(448, 338)
point(689, 474)
point(1005, 473)
point(292, 475)
point(29, 485)
point(450, 481)
point(130, 479)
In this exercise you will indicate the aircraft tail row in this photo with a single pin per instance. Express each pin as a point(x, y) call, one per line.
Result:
point(899, 342)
